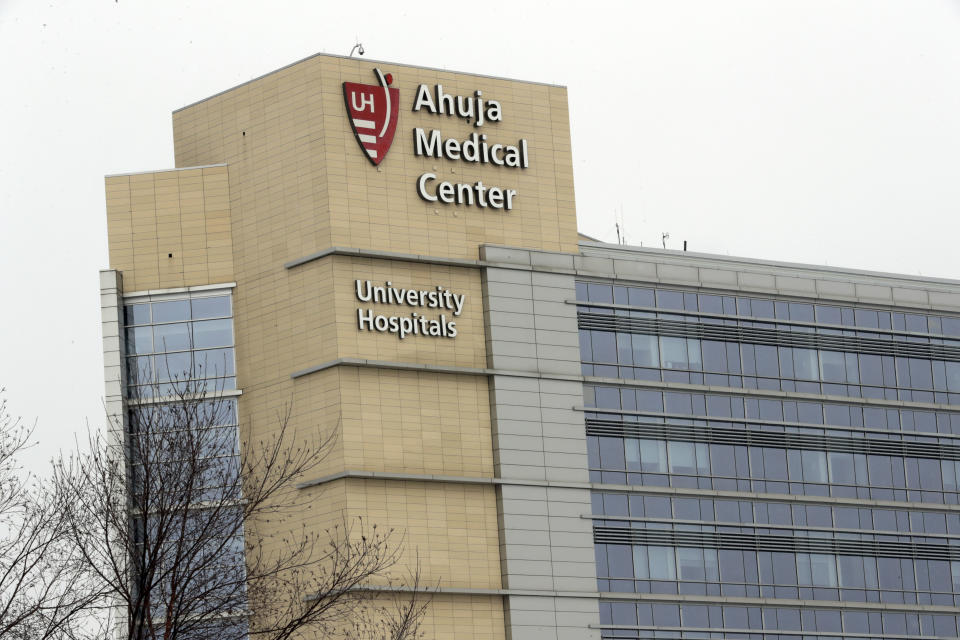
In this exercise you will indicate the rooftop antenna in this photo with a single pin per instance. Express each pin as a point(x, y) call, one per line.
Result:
point(357, 47)
point(664, 237)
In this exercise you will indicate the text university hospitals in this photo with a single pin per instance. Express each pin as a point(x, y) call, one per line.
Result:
point(414, 323)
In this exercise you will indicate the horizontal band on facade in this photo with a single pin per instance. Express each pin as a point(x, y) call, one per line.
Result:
point(425, 477)
point(633, 489)
point(760, 438)
point(771, 497)
point(764, 393)
point(631, 520)
point(924, 436)
point(465, 591)
point(763, 336)
point(659, 598)
point(177, 169)
point(723, 317)
point(149, 293)
point(776, 543)
point(429, 368)
point(383, 255)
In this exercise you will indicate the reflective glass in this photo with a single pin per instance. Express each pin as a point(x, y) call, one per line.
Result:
point(171, 311)
point(216, 307)
point(136, 314)
point(171, 337)
point(212, 333)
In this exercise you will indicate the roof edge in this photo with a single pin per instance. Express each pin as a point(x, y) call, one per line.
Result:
point(334, 55)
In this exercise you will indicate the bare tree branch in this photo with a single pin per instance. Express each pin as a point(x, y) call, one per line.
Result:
point(184, 529)
point(45, 589)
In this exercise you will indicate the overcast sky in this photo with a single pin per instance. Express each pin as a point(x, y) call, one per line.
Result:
point(824, 132)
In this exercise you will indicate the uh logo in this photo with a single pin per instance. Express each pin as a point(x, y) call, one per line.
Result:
point(373, 114)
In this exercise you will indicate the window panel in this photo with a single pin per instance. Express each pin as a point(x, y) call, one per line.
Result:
point(171, 337)
point(662, 563)
point(645, 350)
point(139, 340)
point(171, 311)
point(212, 333)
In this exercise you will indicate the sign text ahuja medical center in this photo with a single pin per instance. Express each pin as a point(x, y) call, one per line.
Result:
point(373, 111)
point(475, 148)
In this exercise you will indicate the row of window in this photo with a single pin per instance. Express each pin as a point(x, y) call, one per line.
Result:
point(901, 521)
point(772, 409)
point(196, 308)
point(767, 309)
point(770, 574)
point(662, 618)
point(671, 359)
point(185, 453)
point(179, 336)
point(839, 474)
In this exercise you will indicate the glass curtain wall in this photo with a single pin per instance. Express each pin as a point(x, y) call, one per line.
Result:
point(724, 486)
point(180, 371)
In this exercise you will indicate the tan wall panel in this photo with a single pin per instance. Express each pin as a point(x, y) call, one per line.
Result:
point(419, 423)
point(300, 182)
point(450, 529)
point(170, 228)
point(455, 617)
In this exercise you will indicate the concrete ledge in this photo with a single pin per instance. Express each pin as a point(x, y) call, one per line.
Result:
point(164, 292)
point(466, 591)
point(430, 368)
point(416, 477)
point(382, 255)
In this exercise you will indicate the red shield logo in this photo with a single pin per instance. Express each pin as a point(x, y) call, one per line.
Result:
point(373, 114)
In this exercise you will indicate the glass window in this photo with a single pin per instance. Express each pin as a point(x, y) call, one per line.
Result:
point(638, 297)
point(604, 346)
point(214, 307)
point(602, 293)
point(673, 353)
point(805, 364)
point(171, 337)
point(139, 340)
point(669, 300)
point(823, 570)
point(832, 366)
point(213, 363)
point(841, 468)
point(171, 311)
point(814, 466)
point(173, 366)
point(690, 564)
point(653, 456)
point(212, 333)
point(682, 456)
point(828, 315)
point(645, 351)
point(662, 563)
point(136, 313)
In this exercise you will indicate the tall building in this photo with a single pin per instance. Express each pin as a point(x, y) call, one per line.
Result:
point(579, 440)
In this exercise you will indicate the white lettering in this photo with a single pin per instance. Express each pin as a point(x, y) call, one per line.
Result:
point(365, 99)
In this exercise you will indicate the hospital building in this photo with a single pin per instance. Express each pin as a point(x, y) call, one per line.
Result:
point(579, 440)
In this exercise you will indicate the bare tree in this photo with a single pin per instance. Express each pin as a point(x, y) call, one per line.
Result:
point(186, 531)
point(44, 588)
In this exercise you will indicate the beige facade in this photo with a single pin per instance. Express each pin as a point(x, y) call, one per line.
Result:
point(271, 175)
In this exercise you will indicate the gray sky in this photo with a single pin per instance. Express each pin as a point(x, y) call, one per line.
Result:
point(814, 131)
